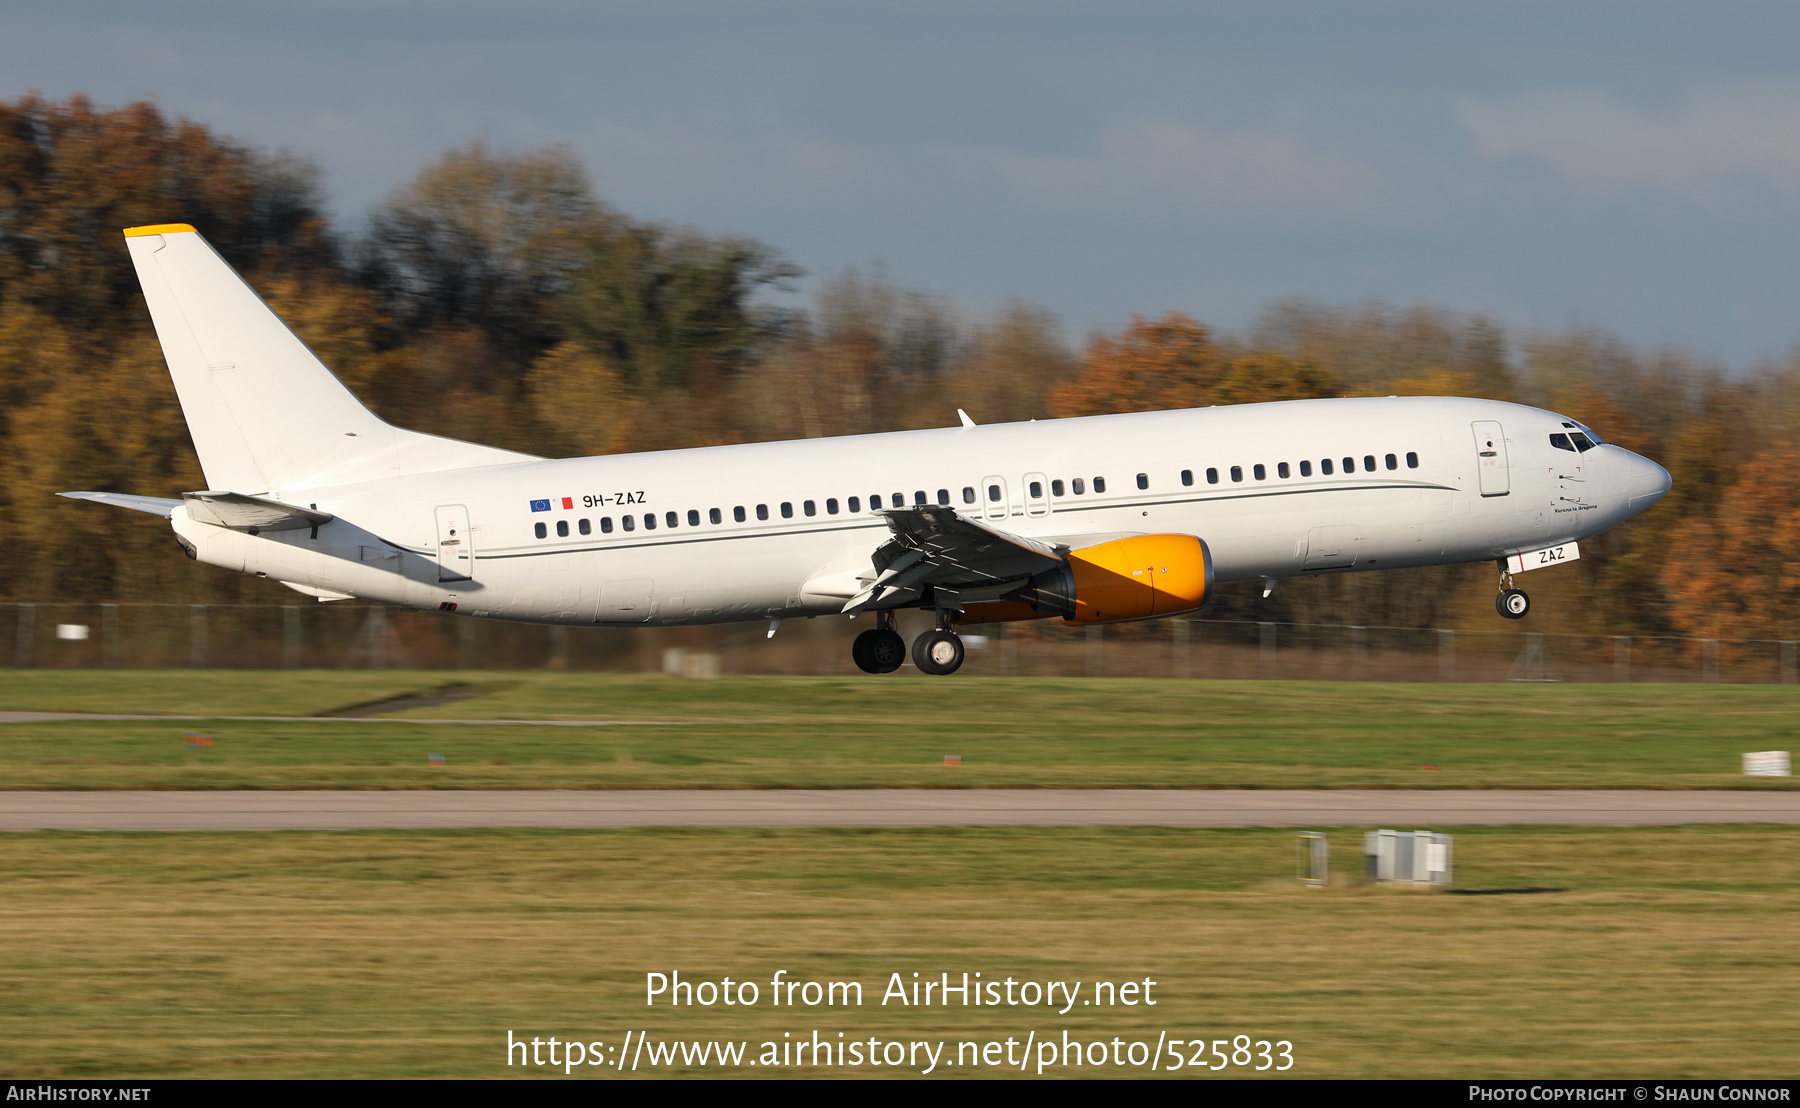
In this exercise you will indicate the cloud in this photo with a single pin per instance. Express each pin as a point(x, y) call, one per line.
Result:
point(1174, 167)
point(1724, 143)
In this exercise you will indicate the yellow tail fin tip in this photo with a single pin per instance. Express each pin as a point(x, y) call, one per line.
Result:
point(157, 229)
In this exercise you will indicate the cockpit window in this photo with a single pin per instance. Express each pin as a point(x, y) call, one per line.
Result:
point(1582, 442)
point(1561, 442)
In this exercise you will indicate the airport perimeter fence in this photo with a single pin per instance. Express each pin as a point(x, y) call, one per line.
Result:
point(362, 636)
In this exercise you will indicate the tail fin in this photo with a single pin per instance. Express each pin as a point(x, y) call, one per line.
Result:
point(264, 412)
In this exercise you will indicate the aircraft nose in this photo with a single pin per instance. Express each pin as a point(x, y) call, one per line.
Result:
point(1648, 483)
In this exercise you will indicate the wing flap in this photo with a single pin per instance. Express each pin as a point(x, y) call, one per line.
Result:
point(935, 545)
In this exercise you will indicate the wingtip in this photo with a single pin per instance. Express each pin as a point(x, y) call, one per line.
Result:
point(964, 417)
point(159, 229)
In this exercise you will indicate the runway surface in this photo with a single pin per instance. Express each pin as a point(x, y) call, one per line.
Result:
point(1401, 809)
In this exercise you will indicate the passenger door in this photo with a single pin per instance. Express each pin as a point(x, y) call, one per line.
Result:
point(456, 546)
point(1490, 458)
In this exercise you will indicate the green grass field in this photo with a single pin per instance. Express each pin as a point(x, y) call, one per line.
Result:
point(1666, 952)
point(776, 732)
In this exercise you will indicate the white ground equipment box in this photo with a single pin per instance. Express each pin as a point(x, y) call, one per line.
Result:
point(1408, 857)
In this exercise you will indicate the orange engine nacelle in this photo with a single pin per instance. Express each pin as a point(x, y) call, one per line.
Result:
point(1143, 577)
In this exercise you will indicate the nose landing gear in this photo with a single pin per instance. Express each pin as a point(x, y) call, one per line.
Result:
point(1512, 601)
point(880, 649)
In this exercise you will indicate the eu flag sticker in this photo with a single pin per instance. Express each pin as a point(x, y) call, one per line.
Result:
point(540, 505)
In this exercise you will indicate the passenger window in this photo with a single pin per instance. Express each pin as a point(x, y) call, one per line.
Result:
point(606, 525)
point(919, 497)
point(994, 494)
point(1582, 442)
point(1237, 473)
point(1368, 463)
point(874, 503)
point(1306, 469)
point(628, 522)
point(1037, 490)
point(542, 531)
point(672, 519)
point(1259, 472)
point(831, 506)
point(898, 500)
point(1325, 466)
point(1393, 462)
point(1078, 486)
point(1143, 480)
point(693, 517)
point(1349, 465)
point(809, 507)
point(649, 521)
point(1099, 484)
point(944, 497)
point(1187, 476)
point(1056, 487)
point(1212, 476)
point(1281, 469)
point(562, 528)
point(968, 494)
point(762, 511)
point(1412, 460)
point(584, 527)
point(787, 509)
point(737, 513)
point(856, 504)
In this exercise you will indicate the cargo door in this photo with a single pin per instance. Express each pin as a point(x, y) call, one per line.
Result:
point(456, 546)
point(1333, 547)
point(631, 601)
point(1490, 458)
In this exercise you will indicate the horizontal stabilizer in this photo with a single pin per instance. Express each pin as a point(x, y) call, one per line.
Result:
point(250, 513)
point(155, 505)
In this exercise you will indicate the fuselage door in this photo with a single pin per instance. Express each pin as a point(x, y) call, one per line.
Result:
point(456, 546)
point(1037, 494)
point(1490, 458)
point(994, 500)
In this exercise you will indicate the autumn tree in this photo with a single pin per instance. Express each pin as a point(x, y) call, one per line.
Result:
point(73, 175)
point(1737, 574)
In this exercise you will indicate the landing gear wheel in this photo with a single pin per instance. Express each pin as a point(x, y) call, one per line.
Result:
point(881, 650)
point(1512, 603)
point(938, 652)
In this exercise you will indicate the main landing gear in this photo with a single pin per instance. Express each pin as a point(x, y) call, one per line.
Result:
point(880, 650)
point(1512, 601)
point(938, 652)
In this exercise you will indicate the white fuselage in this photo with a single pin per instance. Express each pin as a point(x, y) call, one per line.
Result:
point(1429, 497)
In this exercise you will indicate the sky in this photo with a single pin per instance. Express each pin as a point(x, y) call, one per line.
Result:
point(1632, 168)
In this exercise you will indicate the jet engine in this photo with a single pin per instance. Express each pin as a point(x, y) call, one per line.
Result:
point(1142, 577)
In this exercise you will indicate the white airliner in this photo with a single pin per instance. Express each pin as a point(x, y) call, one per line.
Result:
point(1094, 520)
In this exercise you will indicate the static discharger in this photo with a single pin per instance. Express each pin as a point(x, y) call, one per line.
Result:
point(953, 759)
point(437, 759)
point(197, 742)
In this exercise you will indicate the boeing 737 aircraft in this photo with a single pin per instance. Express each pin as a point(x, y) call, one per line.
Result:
point(1101, 519)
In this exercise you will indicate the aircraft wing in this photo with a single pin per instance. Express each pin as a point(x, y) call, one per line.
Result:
point(155, 505)
point(934, 545)
point(241, 512)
